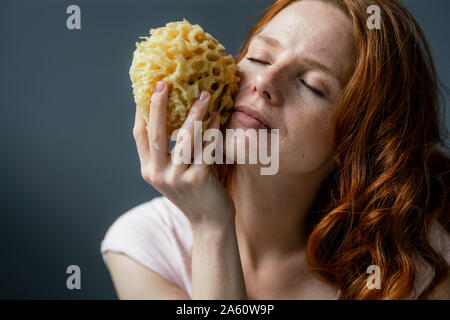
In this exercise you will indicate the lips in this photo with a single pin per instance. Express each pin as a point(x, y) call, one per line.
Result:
point(255, 114)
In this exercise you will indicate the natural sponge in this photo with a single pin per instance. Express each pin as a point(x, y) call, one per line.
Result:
point(190, 61)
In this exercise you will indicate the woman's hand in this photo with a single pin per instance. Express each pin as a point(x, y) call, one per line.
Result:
point(196, 191)
point(193, 188)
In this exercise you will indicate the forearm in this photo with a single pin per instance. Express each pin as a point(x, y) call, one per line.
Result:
point(216, 264)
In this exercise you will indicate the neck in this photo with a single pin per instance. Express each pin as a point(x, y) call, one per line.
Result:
point(271, 212)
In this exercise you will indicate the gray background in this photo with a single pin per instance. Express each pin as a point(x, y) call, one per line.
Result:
point(68, 159)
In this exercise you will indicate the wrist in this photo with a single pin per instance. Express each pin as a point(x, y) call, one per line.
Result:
point(213, 223)
point(210, 230)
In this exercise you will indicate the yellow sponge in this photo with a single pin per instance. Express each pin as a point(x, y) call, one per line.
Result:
point(190, 61)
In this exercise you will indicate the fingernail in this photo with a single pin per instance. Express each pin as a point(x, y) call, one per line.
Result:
point(204, 95)
point(159, 87)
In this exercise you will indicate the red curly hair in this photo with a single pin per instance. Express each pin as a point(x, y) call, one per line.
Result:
point(390, 179)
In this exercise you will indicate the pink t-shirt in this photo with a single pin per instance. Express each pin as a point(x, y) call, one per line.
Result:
point(158, 235)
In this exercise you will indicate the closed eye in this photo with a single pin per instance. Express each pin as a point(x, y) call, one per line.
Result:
point(312, 89)
point(257, 61)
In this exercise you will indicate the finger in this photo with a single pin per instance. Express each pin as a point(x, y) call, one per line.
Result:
point(185, 138)
point(196, 114)
point(140, 137)
point(157, 126)
point(139, 118)
point(214, 146)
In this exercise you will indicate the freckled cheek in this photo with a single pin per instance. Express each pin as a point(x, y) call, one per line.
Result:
point(322, 133)
point(244, 80)
point(243, 88)
point(311, 140)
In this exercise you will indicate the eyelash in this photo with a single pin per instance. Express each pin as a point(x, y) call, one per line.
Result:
point(314, 90)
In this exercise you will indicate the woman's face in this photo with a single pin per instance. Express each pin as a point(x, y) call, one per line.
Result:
point(293, 74)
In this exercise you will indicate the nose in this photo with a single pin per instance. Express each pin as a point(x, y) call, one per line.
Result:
point(267, 84)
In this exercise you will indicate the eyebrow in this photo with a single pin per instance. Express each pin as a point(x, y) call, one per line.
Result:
point(322, 67)
point(272, 42)
point(268, 40)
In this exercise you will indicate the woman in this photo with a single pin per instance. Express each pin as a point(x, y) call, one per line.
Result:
point(361, 184)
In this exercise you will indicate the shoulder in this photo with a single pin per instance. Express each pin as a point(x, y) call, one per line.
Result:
point(439, 239)
point(157, 235)
point(147, 220)
point(442, 292)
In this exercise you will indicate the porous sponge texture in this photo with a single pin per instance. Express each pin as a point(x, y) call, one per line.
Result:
point(190, 61)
